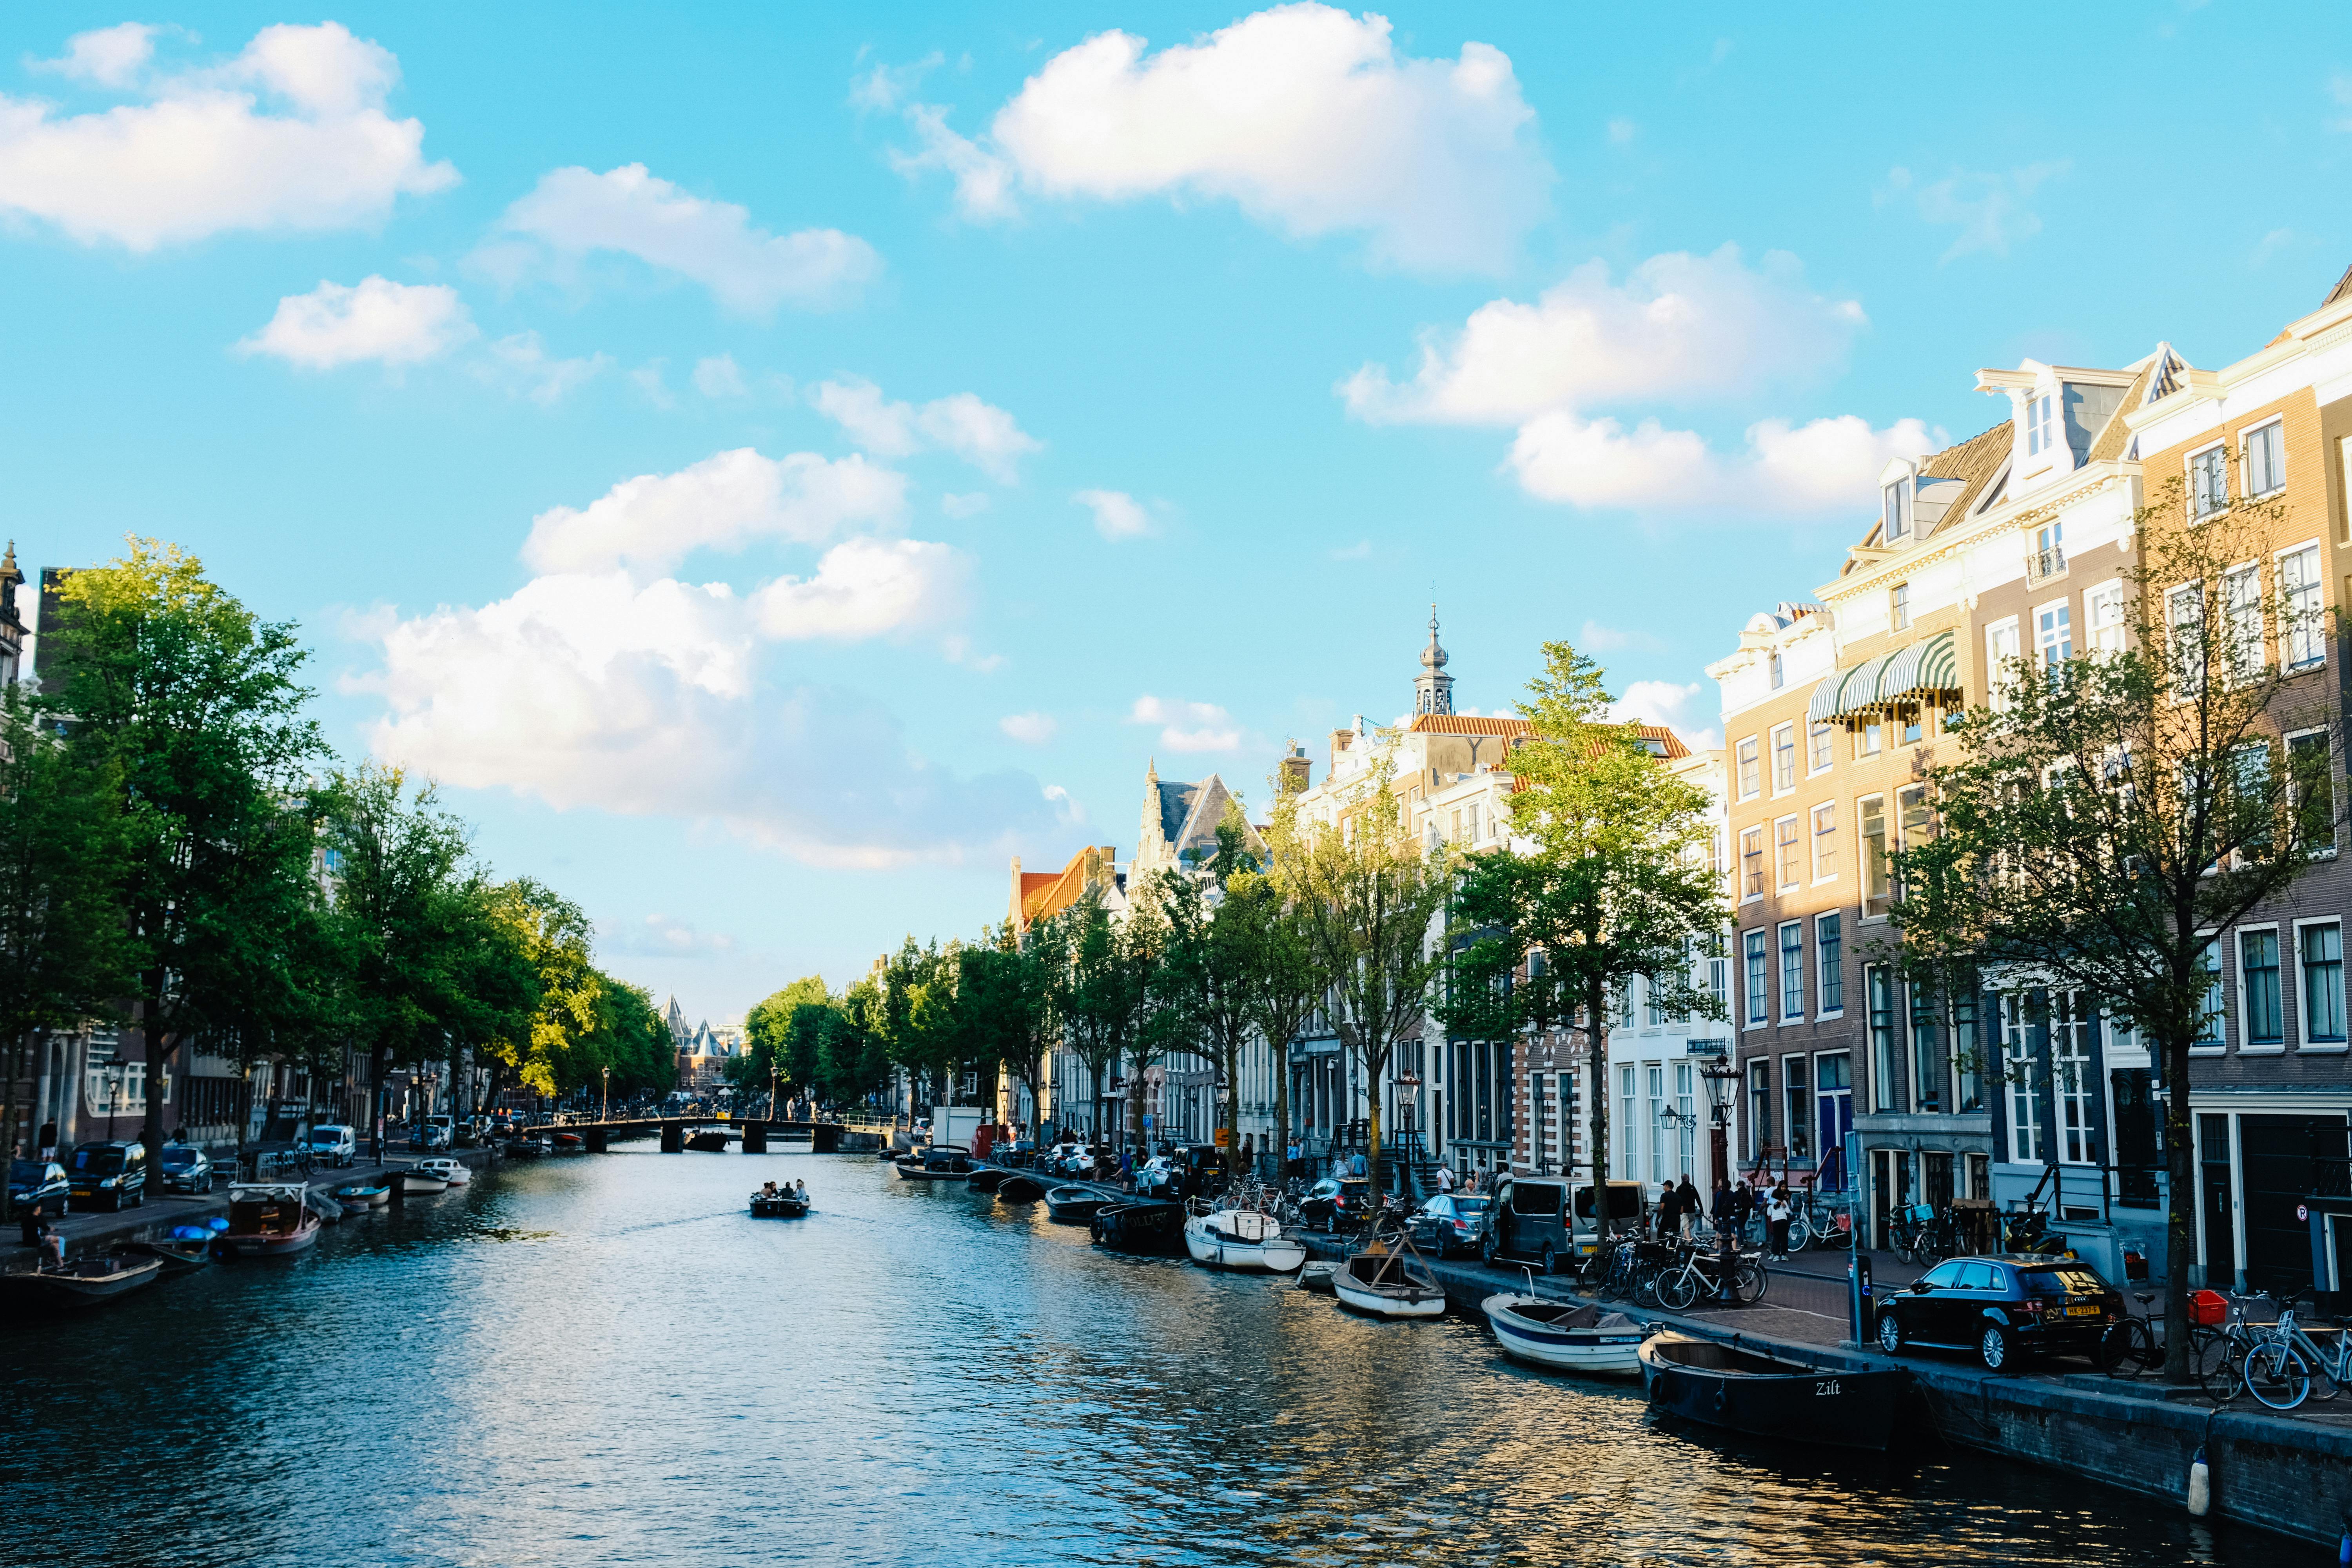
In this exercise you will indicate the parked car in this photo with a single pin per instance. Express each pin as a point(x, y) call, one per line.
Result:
point(40, 1182)
point(2003, 1308)
point(186, 1170)
point(1336, 1203)
point(440, 1131)
point(1529, 1221)
point(110, 1173)
point(1453, 1221)
point(332, 1144)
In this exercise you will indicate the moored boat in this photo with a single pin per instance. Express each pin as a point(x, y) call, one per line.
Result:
point(1074, 1205)
point(91, 1281)
point(1240, 1238)
point(1389, 1282)
point(453, 1172)
point(1566, 1336)
point(357, 1197)
point(267, 1219)
point(1020, 1187)
point(708, 1142)
point(187, 1247)
point(1746, 1390)
point(1318, 1274)
point(1154, 1227)
point(988, 1178)
point(939, 1162)
point(416, 1180)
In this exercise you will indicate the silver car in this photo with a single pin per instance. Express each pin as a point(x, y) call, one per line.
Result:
point(186, 1170)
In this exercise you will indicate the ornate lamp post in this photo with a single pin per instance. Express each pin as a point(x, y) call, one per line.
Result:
point(606, 1114)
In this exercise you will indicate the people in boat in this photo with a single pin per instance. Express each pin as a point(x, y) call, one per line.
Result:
point(769, 1190)
point(800, 1190)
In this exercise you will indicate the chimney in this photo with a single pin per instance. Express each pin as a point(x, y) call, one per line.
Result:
point(1296, 768)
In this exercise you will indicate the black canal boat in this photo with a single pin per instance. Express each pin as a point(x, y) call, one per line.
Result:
point(1154, 1227)
point(1780, 1397)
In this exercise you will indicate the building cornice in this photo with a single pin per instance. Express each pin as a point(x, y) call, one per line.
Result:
point(2078, 486)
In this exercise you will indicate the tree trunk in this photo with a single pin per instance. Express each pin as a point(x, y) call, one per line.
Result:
point(159, 1059)
point(1372, 1119)
point(2180, 1181)
point(1231, 1121)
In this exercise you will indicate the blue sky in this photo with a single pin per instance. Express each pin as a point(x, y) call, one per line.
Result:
point(775, 465)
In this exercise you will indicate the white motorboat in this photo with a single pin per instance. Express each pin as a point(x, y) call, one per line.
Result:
point(1240, 1238)
point(453, 1172)
point(1566, 1336)
point(417, 1180)
point(1389, 1283)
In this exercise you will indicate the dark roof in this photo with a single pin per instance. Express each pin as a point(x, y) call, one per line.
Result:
point(2343, 286)
point(1175, 806)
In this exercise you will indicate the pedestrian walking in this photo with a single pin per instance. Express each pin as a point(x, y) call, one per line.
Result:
point(1444, 1181)
point(1669, 1210)
point(1721, 1204)
point(1686, 1205)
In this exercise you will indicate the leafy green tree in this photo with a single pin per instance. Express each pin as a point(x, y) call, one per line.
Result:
point(1282, 981)
point(1097, 988)
point(1003, 992)
point(766, 1034)
point(852, 1062)
point(2109, 814)
point(192, 706)
point(65, 953)
point(544, 1052)
point(630, 1039)
point(1367, 896)
point(1208, 971)
point(1620, 883)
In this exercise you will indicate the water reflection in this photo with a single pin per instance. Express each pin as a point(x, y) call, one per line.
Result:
point(607, 1360)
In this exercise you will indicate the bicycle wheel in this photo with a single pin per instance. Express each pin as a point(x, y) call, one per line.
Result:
point(2128, 1349)
point(1749, 1280)
point(2275, 1374)
point(1800, 1232)
point(1677, 1289)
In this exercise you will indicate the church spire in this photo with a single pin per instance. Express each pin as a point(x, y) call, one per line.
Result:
point(1433, 688)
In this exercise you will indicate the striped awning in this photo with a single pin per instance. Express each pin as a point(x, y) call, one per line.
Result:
point(1928, 668)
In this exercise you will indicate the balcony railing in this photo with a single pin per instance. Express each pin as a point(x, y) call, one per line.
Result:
point(2041, 565)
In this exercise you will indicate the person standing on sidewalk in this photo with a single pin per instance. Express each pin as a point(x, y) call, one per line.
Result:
point(1686, 1205)
point(1669, 1211)
point(1776, 1215)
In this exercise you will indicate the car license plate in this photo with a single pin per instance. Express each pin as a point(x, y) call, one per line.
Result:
point(2083, 1312)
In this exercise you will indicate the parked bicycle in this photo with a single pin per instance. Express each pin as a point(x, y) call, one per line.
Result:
point(2134, 1346)
point(1699, 1277)
point(2221, 1363)
point(2284, 1359)
point(1819, 1223)
point(1915, 1235)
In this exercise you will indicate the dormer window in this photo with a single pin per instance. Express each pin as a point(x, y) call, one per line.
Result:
point(1778, 675)
point(1895, 522)
point(1901, 609)
point(2038, 425)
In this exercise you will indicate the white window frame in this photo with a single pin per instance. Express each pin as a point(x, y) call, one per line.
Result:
point(2064, 605)
point(2234, 630)
point(2245, 444)
point(1815, 835)
point(1780, 968)
point(1824, 730)
point(2236, 957)
point(2191, 682)
point(2286, 760)
point(1740, 865)
point(2212, 938)
point(1738, 767)
point(2302, 1012)
point(1797, 824)
point(1777, 730)
point(1898, 607)
point(2317, 616)
point(1821, 966)
point(2197, 512)
point(1997, 679)
point(1753, 941)
point(2109, 593)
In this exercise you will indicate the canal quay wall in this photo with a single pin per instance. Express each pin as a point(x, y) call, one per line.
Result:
point(87, 1235)
point(2283, 1473)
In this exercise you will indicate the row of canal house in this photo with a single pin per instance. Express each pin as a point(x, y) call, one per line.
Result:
point(2013, 545)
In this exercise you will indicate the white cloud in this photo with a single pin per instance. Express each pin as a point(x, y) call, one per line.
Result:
point(574, 212)
point(971, 503)
point(648, 379)
point(1359, 550)
point(588, 690)
point(521, 364)
point(1117, 515)
point(1823, 466)
point(1675, 706)
point(659, 936)
point(1189, 726)
point(1989, 209)
point(1621, 131)
point(376, 318)
point(654, 520)
point(1306, 118)
point(1597, 638)
point(104, 57)
point(1029, 729)
point(982, 433)
point(200, 155)
point(719, 377)
point(1681, 327)
point(868, 587)
point(2273, 242)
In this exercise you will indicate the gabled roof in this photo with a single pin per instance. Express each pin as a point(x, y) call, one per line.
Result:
point(1458, 724)
point(1177, 803)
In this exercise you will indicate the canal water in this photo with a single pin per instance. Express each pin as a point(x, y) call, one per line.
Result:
point(605, 1360)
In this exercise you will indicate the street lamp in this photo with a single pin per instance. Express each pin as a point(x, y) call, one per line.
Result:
point(1719, 1075)
point(606, 1114)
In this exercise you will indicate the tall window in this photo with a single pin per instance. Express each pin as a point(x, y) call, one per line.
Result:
point(2209, 481)
point(2026, 1143)
point(1900, 609)
point(2322, 983)
point(2054, 636)
point(1759, 1108)
point(2312, 777)
point(1818, 741)
point(1967, 1059)
point(1627, 1141)
point(1825, 840)
point(2103, 608)
point(1880, 986)
point(1655, 1073)
point(2258, 974)
point(2241, 620)
point(1687, 1119)
point(1752, 947)
point(2302, 634)
point(1751, 863)
point(1918, 817)
point(1656, 1014)
point(1894, 504)
point(1797, 1082)
point(1718, 978)
point(1774, 671)
point(2000, 661)
point(1871, 812)
point(1787, 846)
point(2266, 458)
point(2216, 1014)
point(2049, 550)
point(1792, 970)
point(1869, 739)
point(2038, 425)
point(1829, 946)
point(1784, 758)
point(2070, 1073)
point(1926, 1052)
point(1751, 773)
point(2184, 612)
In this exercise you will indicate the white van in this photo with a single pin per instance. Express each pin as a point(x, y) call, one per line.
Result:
point(334, 1146)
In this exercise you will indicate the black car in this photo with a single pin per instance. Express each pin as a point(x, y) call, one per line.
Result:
point(40, 1182)
point(1451, 1222)
point(111, 1175)
point(2002, 1308)
point(1336, 1203)
point(186, 1170)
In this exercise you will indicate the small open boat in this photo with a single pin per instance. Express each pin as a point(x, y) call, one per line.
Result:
point(988, 1178)
point(453, 1172)
point(1317, 1276)
point(568, 1143)
point(1074, 1205)
point(93, 1281)
point(268, 1219)
point(1240, 1238)
point(416, 1180)
point(1777, 1396)
point(1388, 1279)
point(1153, 1226)
point(939, 1162)
point(1020, 1188)
point(778, 1205)
point(186, 1248)
point(708, 1142)
point(357, 1197)
point(1565, 1336)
